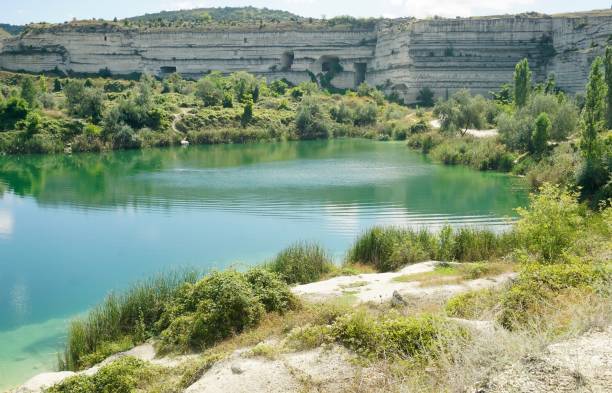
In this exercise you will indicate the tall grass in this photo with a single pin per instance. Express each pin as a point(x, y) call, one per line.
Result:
point(120, 320)
point(301, 263)
point(389, 248)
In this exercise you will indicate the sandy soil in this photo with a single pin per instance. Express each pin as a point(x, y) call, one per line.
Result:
point(582, 364)
point(379, 287)
point(473, 132)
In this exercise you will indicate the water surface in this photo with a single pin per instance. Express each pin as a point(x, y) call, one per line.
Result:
point(72, 228)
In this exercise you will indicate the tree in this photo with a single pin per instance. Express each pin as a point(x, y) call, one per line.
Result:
point(12, 111)
point(425, 97)
point(309, 121)
point(247, 114)
point(522, 83)
point(593, 174)
point(57, 85)
point(541, 133)
point(29, 92)
point(608, 75)
point(208, 92)
point(551, 84)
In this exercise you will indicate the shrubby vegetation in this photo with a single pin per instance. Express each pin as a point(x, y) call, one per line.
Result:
point(543, 133)
point(559, 247)
point(53, 115)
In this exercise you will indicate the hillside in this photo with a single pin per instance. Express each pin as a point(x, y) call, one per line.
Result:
point(225, 14)
point(11, 29)
point(3, 33)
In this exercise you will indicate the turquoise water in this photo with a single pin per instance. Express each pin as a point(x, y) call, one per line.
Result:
point(73, 228)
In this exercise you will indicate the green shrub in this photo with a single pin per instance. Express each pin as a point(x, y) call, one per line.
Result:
point(125, 375)
point(310, 121)
point(301, 263)
point(309, 337)
point(554, 220)
point(271, 290)
point(473, 304)
point(538, 284)
point(221, 304)
point(118, 317)
point(482, 154)
point(412, 338)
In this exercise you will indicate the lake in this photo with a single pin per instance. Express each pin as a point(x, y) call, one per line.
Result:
point(73, 228)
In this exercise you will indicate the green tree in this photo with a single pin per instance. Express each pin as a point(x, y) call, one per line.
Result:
point(247, 114)
point(593, 174)
point(541, 134)
point(208, 92)
point(522, 83)
point(425, 97)
point(57, 85)
point(29, 91)
point(12, 111)
point(310, 122)
point(608, 75)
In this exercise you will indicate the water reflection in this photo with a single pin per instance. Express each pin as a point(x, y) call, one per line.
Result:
point(72, 228)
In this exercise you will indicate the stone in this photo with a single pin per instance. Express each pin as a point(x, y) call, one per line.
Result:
point(397, 300)
point(236, 369)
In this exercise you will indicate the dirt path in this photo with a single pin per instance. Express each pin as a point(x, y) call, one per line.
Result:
point(473, 132)
point(379, 287)
point(176, 117)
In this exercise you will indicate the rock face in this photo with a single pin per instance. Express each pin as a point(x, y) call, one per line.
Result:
point(401, 56)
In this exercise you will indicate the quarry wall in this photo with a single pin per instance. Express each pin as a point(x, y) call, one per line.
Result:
point(401, 56)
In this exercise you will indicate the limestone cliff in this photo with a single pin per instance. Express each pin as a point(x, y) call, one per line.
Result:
point(400, 55)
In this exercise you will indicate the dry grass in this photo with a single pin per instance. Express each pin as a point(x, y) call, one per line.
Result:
point(457, 273)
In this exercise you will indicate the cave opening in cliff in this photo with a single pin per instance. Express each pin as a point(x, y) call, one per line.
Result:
point(168, 69)
point(329, 63)
point(287, 61)
point(360, 73)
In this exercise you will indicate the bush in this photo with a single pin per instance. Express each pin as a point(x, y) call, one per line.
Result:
point(209, 92)
point(271, 290)
point(481, 154)
point(122, 376)
point(119, 316)
point(11, 112)
point(551, 225)
point(558, 168)
point(365, 114)
point(301, 263)
point(537, 285)
point(415, 338)
point(310, 122)
point(473, 304)
point(221, 304)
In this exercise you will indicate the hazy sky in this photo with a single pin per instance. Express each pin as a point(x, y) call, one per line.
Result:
point(25, 11)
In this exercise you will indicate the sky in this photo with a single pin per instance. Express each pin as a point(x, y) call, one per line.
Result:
point(26, 11)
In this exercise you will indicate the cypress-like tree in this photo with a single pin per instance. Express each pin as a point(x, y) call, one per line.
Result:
point(522, 83)
point(608, 75)
point(593, 121)
point(247, 115)
point(539, 139)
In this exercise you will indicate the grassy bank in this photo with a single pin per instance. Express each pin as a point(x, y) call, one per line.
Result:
point(558, 246)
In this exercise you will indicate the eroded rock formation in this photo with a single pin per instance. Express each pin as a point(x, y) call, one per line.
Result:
point(398, 55)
